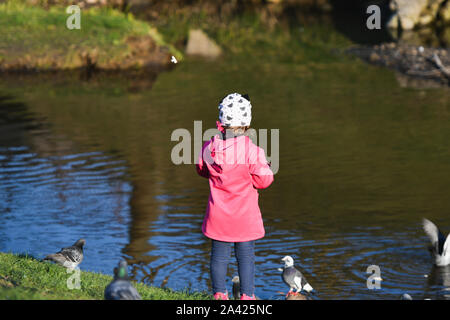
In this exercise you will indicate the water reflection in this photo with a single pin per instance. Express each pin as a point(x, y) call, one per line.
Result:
point(438, 285)
point(362, 161)
point(50, 194)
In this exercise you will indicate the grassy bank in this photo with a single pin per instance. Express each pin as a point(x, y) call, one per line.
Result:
point(34, 38)
point(23, 277)
point(253, 35)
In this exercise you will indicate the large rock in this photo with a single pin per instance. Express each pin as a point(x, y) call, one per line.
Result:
point(200, 44)
point(411, 13)
point(297, 296)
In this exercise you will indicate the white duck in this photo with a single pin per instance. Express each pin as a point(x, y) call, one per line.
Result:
point(440, 246)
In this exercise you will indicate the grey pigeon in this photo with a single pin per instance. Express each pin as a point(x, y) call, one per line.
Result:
point(236, 288)
point(440, 246)
point(69, 257)
point(121, 288)
point(293, 277)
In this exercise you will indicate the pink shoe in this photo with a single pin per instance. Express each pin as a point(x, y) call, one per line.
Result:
point(292, 293)
point(221, 296)
point(246, 297)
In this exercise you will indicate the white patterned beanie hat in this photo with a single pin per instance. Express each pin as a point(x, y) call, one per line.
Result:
point(235, 110)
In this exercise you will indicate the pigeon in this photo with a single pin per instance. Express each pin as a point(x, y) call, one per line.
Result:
point(293, 277)
point(121, 288)
point(69, 257)
point(440, 246)
point(236, 288)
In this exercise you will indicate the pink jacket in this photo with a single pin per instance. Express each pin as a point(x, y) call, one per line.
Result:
point(236, 168)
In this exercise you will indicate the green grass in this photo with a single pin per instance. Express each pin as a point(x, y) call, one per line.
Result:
point(31, 35)
point(248, 35)
point(40, 37)
point(23, 277)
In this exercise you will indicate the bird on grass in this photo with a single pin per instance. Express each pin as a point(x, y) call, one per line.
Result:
point(121, 288)
point(69, 257)
point(293, 277)
point(440, 246)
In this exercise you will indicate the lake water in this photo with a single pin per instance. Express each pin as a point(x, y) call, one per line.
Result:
point(362, 160)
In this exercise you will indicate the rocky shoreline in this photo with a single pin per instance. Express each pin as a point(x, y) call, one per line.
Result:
point(416, 65)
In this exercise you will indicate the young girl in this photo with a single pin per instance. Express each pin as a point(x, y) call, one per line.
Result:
point(235, 168)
